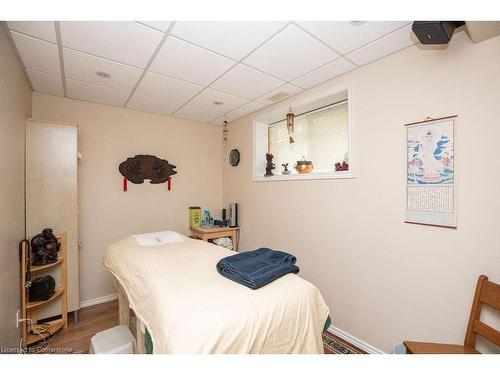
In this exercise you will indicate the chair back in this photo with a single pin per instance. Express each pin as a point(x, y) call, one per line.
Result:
point(487, 293)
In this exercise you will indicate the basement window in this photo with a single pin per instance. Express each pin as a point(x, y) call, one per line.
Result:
point(317, 147)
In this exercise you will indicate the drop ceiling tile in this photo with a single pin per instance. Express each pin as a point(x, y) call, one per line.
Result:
point(183, 60)
point(207, 98)
point(246, 82)
point(122, 41)
point(234, 39)
point(45, 30)
point(290, 54)
point(37, 54)
point(345, 36)
point(95, 93)
point(158, 25)
point(382, 47)
point(288, 89)
point(163, 87)
point(324, 73)
point(45, 82)
point(238, 113)
point(149, 104)
point(83, 67)
point(219, 121)
point(195, 113)
point(244, 110)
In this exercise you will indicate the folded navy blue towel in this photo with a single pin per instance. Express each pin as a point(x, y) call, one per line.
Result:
point(257, 268)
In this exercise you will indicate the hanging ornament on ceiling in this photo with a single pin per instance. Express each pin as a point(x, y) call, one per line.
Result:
point(290, 121)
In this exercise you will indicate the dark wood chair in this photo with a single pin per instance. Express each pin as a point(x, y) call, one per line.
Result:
point(488, 293)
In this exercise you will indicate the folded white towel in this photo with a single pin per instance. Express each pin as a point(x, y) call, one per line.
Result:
point(158, 238)
point(224, 242)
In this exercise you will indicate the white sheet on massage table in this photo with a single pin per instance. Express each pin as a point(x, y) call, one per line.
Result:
point(187, 307)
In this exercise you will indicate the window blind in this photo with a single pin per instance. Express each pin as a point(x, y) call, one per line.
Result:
point(322, 137)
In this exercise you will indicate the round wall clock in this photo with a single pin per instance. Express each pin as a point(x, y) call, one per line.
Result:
point(234, 157)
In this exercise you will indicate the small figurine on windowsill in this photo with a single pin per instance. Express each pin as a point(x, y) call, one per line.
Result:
point(269, 165)
point(341, 167)
point(286, 171)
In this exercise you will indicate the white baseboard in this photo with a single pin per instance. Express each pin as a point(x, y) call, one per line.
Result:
point(98, 300)
point(355, 341)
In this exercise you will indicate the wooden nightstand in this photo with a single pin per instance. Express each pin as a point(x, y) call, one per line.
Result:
point(209, 233)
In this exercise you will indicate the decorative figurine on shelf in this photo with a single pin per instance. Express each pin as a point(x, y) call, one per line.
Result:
point(341, 167)
point(269, 165)
point(286, 171)
point(44, 247)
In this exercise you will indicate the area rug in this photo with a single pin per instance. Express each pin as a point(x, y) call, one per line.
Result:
point(335, 345)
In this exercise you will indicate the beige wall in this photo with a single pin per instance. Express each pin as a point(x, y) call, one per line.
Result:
point(386, 281)
point(15, 106)
point(107, 136)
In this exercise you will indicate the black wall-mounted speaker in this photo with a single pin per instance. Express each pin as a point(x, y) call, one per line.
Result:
point(435, 32)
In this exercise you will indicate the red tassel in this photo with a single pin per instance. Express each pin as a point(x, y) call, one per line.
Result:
point(124, 183)
point(169, 183)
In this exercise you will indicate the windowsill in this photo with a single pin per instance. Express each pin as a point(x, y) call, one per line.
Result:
point(306, 176)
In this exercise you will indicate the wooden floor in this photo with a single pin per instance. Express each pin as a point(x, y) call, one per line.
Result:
point(76, 338)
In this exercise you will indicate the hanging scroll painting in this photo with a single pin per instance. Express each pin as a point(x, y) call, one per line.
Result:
point(431, 190)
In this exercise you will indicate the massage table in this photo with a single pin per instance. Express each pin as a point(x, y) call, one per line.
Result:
point(184, 305)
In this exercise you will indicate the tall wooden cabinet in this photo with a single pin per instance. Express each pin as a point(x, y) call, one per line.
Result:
point(52, 195)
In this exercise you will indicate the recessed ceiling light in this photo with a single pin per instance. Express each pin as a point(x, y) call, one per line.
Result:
point(217, 102)
point(103, 74)
point(356, 23)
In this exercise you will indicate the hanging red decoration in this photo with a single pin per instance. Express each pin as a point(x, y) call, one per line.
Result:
point(169, 183)
point(124, 183)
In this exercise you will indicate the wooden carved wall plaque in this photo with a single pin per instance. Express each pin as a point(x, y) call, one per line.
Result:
point(146, 167)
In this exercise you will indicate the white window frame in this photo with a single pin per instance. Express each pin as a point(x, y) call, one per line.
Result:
point(260, 145)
